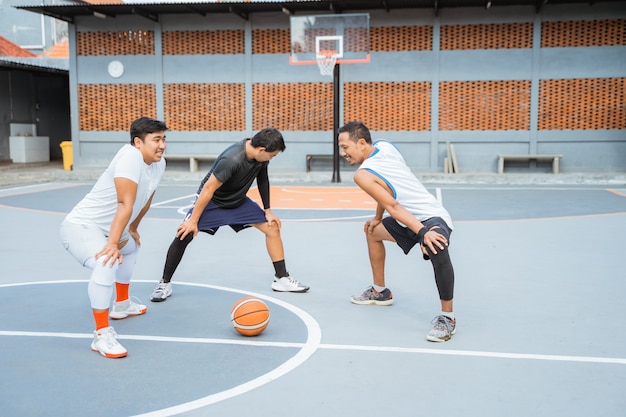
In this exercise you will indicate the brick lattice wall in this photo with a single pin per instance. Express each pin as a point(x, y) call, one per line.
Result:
point(389, 105)
point(113, 107)
point(203, 42)
point(586, 104)
point(197, 107)
point(382, 39)
point(583, 33)
point(401, 38)
point(293, 106)
point(484, 105)
point(132, 42)
point(489, 36)
point(271, 41)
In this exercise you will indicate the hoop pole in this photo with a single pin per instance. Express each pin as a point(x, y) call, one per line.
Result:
point(336, 156)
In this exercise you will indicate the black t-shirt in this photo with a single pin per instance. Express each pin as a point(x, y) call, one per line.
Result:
point(236, 173)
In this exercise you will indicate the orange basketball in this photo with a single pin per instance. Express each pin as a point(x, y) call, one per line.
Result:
point(250, 316)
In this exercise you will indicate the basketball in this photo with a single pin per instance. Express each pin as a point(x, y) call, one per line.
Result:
point(250, 316)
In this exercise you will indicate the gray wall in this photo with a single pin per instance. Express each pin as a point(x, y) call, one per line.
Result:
point(583, 150)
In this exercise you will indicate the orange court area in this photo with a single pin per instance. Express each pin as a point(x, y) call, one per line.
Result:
point(317, 198)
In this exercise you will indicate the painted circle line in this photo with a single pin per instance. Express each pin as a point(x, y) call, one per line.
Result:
point(314, 337)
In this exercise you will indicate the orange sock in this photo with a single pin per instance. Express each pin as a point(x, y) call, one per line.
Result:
point(121, 292)
point(102, 318)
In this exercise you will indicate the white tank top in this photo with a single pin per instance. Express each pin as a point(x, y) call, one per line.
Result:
point(387, 163)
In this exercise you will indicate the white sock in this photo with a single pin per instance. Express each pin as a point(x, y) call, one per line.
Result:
point(378, 288)
point(448, 314)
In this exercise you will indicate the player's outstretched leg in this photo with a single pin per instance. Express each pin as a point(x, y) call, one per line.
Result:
point(175, 254)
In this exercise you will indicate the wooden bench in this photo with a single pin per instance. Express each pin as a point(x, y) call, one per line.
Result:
point(521, 158)
point(323, 157)
point(193, 159)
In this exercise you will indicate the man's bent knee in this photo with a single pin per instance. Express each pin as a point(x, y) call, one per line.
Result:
point(273, 231)
point(104, 274)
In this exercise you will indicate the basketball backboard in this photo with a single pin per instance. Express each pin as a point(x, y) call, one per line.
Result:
point(342, 37)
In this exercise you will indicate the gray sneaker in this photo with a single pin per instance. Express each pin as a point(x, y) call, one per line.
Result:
point(371, 296)
point(443, 329)
point(161, 292)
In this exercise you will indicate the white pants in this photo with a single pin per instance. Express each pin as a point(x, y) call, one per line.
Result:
point(83, 241)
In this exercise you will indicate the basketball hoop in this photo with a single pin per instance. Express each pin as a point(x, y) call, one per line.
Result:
point(326, 60)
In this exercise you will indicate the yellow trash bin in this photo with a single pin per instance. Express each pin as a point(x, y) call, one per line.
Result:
point(68, 156)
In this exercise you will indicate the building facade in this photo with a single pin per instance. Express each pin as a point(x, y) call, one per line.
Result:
point(491, 81)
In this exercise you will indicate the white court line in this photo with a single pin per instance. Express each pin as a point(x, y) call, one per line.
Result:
point(504, 355)
point(326, 219)
point(314, 336)
point(160, 203)
point(30, 189)
point(315, 190)
point(488, 187)
point(390, 349)
point(182, 210)
point(199, 340)
point(306, 350)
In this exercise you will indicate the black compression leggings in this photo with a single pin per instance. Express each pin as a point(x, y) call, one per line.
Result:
point(174, 256)
point(444, 272)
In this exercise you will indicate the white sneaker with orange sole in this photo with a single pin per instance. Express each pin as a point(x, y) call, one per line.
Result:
point(127, 308)
point(105, 343)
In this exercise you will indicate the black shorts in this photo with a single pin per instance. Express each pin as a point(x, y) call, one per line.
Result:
point(238, 218)
point(406, 238)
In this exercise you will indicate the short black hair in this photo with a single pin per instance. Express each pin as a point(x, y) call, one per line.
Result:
point(356, 131)
point(144, 126)
point(270, 139)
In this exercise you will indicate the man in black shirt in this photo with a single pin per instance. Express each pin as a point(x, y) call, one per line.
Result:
point(222, 200)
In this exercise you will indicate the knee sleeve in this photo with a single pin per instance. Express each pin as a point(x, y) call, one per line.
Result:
point(444, 273)
point(104, 274)
point(125, 270)
point(99, 295)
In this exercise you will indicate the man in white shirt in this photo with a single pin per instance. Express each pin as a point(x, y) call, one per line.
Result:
point(415, 217)
point(101, 231)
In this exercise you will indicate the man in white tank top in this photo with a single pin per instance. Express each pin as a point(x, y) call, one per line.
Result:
point(101, 230)
point(415, 216)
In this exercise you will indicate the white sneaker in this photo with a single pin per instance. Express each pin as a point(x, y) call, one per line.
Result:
point(161, 292)
point(127, 308)
point(105, 342)
point(288, 284)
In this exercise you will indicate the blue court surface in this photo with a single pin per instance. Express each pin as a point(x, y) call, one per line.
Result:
point(539, 300)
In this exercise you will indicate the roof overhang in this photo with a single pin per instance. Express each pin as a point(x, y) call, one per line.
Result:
point(68, 11)
point(55, 66)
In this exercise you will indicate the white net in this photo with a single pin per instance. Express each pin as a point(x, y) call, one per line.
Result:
point(326, 61)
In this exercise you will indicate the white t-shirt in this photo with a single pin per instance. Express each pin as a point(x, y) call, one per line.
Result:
point(388, 164)
point(99, 206)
